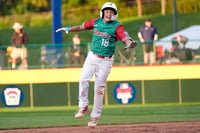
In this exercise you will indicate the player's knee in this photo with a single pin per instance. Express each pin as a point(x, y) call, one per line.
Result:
point(83, 81)
point(100, 90)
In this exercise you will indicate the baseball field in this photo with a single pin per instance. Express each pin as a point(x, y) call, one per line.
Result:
point(134, 118)
point(167, 117)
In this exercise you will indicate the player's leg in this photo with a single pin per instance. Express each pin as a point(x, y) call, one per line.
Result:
point(86, 75)
point(100, 82)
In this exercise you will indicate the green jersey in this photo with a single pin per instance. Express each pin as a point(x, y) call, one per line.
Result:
point(103, 42)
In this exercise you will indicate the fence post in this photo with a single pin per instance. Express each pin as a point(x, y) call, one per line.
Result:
point(180, 91)
point(31, 95)
point(143, 95)
point(68, 94)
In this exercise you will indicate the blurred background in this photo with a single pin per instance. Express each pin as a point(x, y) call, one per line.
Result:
point(170, 17)
point(169, 88)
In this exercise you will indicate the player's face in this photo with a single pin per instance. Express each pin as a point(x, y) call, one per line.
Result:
point(108, 14)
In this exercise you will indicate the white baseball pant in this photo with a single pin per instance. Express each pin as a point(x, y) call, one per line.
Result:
point(100, 67)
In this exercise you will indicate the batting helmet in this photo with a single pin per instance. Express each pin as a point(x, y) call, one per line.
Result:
point(109, 5)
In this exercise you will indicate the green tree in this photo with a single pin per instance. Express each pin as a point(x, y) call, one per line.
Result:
point(6, 6)
point(38, 4)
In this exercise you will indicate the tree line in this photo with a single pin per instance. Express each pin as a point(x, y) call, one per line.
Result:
point(13, 7)
point(38, 12)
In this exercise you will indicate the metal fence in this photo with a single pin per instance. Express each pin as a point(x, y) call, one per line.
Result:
point(69, 55)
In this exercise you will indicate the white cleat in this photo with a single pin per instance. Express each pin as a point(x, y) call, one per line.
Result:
point(81, 112)
point(93, 122)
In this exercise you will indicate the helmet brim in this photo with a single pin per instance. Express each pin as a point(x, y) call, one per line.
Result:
point(115, 12)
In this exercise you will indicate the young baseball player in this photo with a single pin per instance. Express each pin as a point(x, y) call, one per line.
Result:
point(106, 31)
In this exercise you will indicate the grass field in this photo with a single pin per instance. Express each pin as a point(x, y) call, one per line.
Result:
point(164, 24)
point(118, 114)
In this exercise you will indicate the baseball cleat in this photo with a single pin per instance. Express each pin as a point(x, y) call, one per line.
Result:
point(81, 112)
point(93, 122)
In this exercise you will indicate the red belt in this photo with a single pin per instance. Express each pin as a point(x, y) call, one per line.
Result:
point(102, 57)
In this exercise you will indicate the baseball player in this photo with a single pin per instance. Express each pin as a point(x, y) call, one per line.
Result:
point(106, 31)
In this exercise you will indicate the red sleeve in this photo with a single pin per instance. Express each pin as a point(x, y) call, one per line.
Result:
point(120, 33)
point(89, 24)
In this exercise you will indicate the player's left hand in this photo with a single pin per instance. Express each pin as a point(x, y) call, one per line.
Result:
point(64, 29)
point(131, 44)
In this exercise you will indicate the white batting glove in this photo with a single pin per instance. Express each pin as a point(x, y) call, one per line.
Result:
point(64, 29)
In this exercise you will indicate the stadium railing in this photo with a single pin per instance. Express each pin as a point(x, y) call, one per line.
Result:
point(67, 55)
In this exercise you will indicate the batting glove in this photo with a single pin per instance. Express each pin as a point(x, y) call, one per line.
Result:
point(65, 29)
point(131, 44)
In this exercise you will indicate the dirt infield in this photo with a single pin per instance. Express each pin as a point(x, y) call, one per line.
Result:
point(175, 127)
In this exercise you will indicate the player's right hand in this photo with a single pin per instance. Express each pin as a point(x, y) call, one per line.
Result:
point(64, 29)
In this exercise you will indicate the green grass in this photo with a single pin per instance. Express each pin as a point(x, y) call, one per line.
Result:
point(118, 114)
point(164, 24)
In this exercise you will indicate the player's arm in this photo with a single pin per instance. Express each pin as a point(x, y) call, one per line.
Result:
point(85, 26)
point(71, 29)
point(123, 36)
point(76, 28)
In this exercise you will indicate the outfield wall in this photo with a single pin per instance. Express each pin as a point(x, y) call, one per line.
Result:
point(154, 84)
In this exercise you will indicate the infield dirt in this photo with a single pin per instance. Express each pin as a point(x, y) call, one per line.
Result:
point(174, 127)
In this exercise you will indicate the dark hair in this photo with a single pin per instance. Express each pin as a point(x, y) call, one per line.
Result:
point(148, 20)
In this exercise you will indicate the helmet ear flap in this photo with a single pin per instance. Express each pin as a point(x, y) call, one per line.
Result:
point(114, 17)
point(101, 14)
